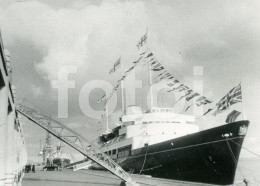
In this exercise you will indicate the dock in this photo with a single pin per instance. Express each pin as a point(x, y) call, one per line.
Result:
point(93, 178)
point(67, 177)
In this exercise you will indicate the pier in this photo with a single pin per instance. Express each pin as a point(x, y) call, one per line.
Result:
point(67, 177)
point(93, 178)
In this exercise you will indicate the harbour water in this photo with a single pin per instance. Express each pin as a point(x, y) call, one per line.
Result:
point(247, 168)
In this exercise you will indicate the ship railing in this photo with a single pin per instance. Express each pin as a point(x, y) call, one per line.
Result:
point(72, 138)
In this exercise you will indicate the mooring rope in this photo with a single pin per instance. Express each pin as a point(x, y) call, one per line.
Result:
point(236, 163)
point(144, 161)
point(231, 152)
point(245, 148)
point(245, 180)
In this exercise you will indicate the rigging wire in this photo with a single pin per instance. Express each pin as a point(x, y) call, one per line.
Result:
point(144, 161)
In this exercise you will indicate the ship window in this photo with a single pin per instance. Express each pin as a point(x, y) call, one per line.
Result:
point(114, 151)
point(146, 144)
point(144, 122)
point(2, 82)
point(129, 123)
point(10, 109)
point(124, 151)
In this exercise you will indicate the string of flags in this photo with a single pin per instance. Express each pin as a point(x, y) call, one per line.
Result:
point(142, 41)
point(174, 84)
point(123, 77)
point(201, 100)
point(232, 97)
point(115, 67)
point(106, 98)
point(103, 98)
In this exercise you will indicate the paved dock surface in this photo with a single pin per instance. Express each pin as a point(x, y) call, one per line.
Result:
point(247, 169)
point(92, 178)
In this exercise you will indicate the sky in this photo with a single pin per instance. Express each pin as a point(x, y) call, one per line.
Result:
point(222, 36)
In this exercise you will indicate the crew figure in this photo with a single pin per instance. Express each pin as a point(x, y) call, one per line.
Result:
point(33, 168)
point(246, 182)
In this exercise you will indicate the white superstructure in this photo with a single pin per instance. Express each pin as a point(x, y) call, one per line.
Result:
point(140, 129)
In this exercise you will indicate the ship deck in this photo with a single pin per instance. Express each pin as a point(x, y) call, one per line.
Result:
point(94, 178)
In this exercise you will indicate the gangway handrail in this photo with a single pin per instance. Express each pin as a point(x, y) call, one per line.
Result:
point(81, 144)
point(40, 112)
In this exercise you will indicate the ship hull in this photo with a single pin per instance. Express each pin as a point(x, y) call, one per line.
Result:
point(61, 162)
point(209, 156)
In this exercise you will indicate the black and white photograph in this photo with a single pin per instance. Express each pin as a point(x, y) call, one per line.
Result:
point(129, 93)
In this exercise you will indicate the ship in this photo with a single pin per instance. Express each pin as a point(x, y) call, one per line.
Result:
point(13, 153)
point(164, 144)
point(60, 158)
point(53, 160)
point(175, 149)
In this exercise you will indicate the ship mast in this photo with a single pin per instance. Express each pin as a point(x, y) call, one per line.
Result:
point(40, 152)
point(149, 69)
point(47, 149)
point(122, 88)
point(107, 117)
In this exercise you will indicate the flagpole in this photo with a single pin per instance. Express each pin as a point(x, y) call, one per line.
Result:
point(243, 111)
point(106, 116)
point(106, 113)
point(149, 68)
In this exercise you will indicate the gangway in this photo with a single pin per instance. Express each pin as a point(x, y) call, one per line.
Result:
point(73, 139)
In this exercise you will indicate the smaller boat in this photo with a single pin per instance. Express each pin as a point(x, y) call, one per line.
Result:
point(60, 158)
point(54, 159)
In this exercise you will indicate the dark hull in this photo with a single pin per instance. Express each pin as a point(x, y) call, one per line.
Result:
point(61, 162)
point(207, 156)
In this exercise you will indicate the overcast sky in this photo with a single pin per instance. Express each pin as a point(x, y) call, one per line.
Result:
point(222, 36)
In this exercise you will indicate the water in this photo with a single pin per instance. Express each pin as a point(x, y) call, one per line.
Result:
point(249, 169)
